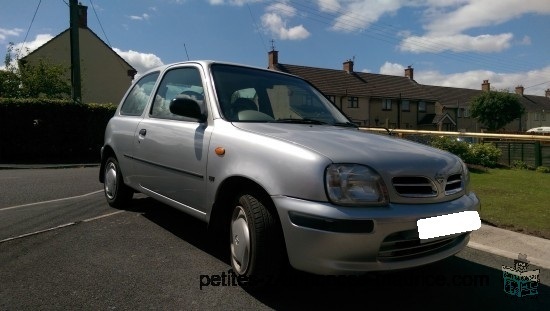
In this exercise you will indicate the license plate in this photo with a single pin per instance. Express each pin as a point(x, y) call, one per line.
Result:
point(448, 224)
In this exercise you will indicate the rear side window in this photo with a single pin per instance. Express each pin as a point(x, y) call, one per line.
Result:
point(137, 99)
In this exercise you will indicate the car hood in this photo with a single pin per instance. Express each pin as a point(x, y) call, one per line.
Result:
point(386, 154)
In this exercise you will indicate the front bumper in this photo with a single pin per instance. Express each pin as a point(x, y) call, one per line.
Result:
point(325, 239)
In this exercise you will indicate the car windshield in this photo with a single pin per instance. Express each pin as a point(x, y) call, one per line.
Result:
point(253, 95)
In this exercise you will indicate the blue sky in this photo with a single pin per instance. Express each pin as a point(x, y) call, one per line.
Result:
point(456, 43)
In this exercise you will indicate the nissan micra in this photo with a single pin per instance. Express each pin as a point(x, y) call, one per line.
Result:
point(281, 176)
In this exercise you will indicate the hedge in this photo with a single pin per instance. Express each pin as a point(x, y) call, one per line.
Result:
point(51, 131)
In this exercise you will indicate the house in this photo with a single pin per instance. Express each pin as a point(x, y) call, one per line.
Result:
point(456, 101)
point(370, 99)
point(105, 75)
point(376, 100)
point(537, 109)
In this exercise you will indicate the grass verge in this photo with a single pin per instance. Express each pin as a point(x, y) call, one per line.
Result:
point(517, 200)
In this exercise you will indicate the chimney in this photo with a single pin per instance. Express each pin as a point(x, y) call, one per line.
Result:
point(486, 86)
point(409, 72)
point(82, 16)
point(519, 90)
point(547, 93)
point(348, 66)
point(273, 59)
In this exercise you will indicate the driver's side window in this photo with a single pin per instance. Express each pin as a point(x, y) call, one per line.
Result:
point(179, 82)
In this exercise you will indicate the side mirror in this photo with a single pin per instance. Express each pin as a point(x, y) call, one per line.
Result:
point(187, 107)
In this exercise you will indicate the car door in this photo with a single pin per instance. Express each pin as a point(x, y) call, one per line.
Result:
point(171, 151)
point(125, 125)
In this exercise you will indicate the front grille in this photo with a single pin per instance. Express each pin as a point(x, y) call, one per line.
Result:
point(414, 187)
point(406, 245)
point(454, 184)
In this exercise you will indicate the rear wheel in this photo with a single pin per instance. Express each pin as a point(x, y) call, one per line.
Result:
point(116, 192)
point(257, 250)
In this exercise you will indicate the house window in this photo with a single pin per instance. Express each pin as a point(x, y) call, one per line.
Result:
point(466, 113)
point(536, 116)
point(386, 104)
point(543, 116)
point(332, 98)
point(460, 112)
point(405, 105)
point(353, 102)
point(421, 106)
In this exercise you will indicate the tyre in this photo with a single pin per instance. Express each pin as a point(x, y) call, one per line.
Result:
point(116, 192)
point(256, 242)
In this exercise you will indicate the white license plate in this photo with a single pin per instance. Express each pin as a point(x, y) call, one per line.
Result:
point(448, 224)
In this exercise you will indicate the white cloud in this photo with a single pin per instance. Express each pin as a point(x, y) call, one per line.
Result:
point(25, 48)
point(532, 80)
point(275, 21)
point(446, 22)
point(140, 61)
point(526, 40)
point(356, 15)
point(457, 43)
point(484, 13)
point(5, 33)
point(329, 5)
point(392, 69)
point(232, 2)
point(446, 25)
point(142, 17)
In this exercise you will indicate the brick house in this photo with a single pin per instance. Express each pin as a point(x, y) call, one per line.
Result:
point(375, 100)
point(370, 99)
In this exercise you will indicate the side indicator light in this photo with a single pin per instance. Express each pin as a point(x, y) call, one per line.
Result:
point(220, 151)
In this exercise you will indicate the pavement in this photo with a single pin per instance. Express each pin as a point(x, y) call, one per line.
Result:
point(510, 244)
point(497, 241)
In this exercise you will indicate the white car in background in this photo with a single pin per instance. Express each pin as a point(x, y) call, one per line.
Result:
point(540, 130)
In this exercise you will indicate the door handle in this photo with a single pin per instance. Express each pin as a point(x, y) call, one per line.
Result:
point(142, 132)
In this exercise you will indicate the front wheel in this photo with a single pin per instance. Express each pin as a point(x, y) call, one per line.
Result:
point(116, 192)
point(257, 250)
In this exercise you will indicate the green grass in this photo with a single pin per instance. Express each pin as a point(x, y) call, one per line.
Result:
point(518, 200)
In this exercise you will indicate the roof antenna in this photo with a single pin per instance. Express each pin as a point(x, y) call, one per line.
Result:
point(272, 45)
point(186, 51)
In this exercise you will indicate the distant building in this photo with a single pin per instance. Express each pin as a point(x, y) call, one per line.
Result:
point(105, 75)
point(376, 100)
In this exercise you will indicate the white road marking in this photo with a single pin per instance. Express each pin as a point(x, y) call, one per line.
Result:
point(50, 201)
point(60, 226)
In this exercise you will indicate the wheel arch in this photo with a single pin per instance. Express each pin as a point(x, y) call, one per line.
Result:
point(219, 218)
point(106, 152)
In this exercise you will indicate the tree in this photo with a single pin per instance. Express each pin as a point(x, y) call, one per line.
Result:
point(9, 78)
point(495, 109)
point(44, 79)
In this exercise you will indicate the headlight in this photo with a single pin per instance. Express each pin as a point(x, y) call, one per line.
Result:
point(352, 184)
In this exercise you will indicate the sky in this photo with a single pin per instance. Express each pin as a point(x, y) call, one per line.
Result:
point(456, 43)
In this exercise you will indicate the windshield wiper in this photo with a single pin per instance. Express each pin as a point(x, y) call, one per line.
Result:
point(345, 124)
point(300, 121)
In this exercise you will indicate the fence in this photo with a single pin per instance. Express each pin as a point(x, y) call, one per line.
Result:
point(533, 150)
point(533, 154)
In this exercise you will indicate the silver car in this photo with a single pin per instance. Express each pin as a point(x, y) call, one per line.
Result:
point(281, 175)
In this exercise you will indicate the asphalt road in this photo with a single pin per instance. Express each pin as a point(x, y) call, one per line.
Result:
point(63, 247)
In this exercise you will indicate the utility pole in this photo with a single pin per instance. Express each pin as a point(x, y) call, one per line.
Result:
point(75, 52)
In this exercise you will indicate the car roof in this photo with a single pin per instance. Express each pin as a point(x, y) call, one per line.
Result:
point(208, 63)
